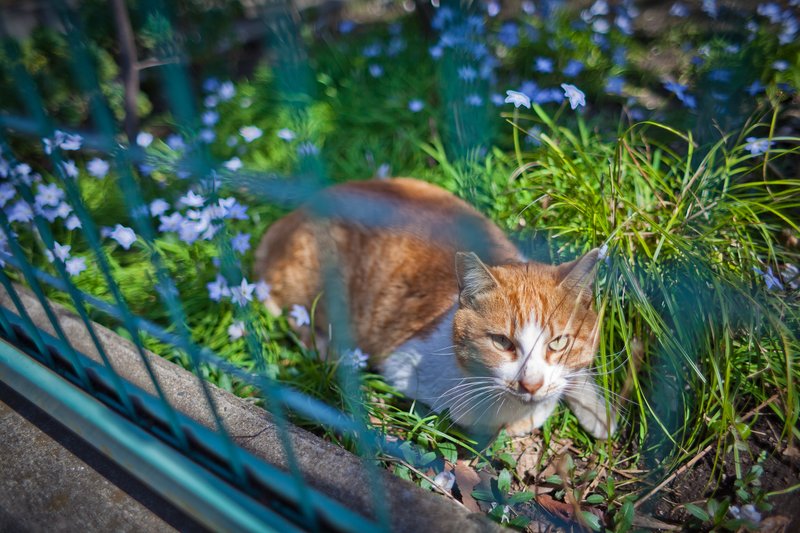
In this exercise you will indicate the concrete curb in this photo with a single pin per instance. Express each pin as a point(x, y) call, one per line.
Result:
point(325, 466)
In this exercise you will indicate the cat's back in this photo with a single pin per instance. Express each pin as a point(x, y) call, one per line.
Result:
point(393, 243)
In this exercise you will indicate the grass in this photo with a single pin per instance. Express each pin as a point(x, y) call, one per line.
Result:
point(693, 341)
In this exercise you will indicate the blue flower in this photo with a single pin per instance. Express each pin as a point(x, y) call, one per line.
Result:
point(518, 99)
point(679, 10)
point(614, 85)
point(48, 195)
point(474, 100)
point(375, 70)
point(20, 212)
point(241, 242)
point(757, 146)
point(218, 289)
point(354, 359)
point(170, 223)
point(158, 207)
point(770, 279)
point(97, 168)
point(416, 105)
point(123, 235)
point(467, 73)
point(755, 88)
point(75, 265)
point(300, 315)
point(544, 65)
point(262, 290)
point(575, 95)
point(144, 139)
point(573, 68)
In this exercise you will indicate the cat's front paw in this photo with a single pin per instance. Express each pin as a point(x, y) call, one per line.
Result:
point(522, 427)
point(589, 407)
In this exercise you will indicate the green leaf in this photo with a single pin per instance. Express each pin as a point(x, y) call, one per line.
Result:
point(698, 512)
point(427, 458)
point(626, 513)
point(448, 450)
point(555, 479)
point(504, 481)
point(594, 499)
point(483, 495)
point(508, 460)
point(520, 497)
point(591, 520)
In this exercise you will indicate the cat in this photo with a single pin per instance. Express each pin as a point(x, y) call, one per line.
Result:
point(447, 308)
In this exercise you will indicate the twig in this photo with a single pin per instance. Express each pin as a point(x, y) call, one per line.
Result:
point(426, 478)
point(699, 456)
point(128, 66)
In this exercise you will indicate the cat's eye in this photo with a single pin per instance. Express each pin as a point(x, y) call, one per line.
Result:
point(501, 342)
point(559, 343)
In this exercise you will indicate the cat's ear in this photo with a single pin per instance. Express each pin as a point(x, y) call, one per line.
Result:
point(578, 275)
point(473, 276)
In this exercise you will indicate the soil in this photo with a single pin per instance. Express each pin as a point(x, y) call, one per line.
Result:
point(696, 484)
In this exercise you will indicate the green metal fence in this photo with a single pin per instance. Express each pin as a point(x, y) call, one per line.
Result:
point(201, 470)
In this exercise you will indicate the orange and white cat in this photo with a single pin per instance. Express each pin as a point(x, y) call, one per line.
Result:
point(447, 308)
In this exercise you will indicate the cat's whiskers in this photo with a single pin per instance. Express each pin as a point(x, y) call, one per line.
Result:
point(492, 395)
point(455, 398)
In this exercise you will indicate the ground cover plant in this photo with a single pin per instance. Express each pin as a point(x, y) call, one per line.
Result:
point(669, 133)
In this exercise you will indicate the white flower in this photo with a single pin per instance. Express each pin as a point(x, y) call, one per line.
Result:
point(780, 65)
point(233, 164)
point(300, 315)
point(76, 265)
point(575, 95)
point(286, 134)
point(250, 133)
point(97, 168)
point(518, 99)
point(243, 293)
point(262, 290)
point(123, 235)
point(144, 139)
point(236, 330)
point(158, 207)
point(192, 199)
point(445, 480)
point(69, 141)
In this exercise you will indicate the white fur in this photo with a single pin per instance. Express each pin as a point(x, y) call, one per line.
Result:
point(425, 369)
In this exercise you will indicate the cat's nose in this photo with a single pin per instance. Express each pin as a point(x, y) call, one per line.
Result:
point(531, 386)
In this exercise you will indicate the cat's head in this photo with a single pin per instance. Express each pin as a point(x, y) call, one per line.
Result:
point(530, 326)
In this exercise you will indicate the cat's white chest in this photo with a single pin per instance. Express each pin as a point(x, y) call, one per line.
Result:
point(425, 368)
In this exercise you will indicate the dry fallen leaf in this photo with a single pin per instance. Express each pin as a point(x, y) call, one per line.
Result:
point(466, 479)
point(774, 524)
